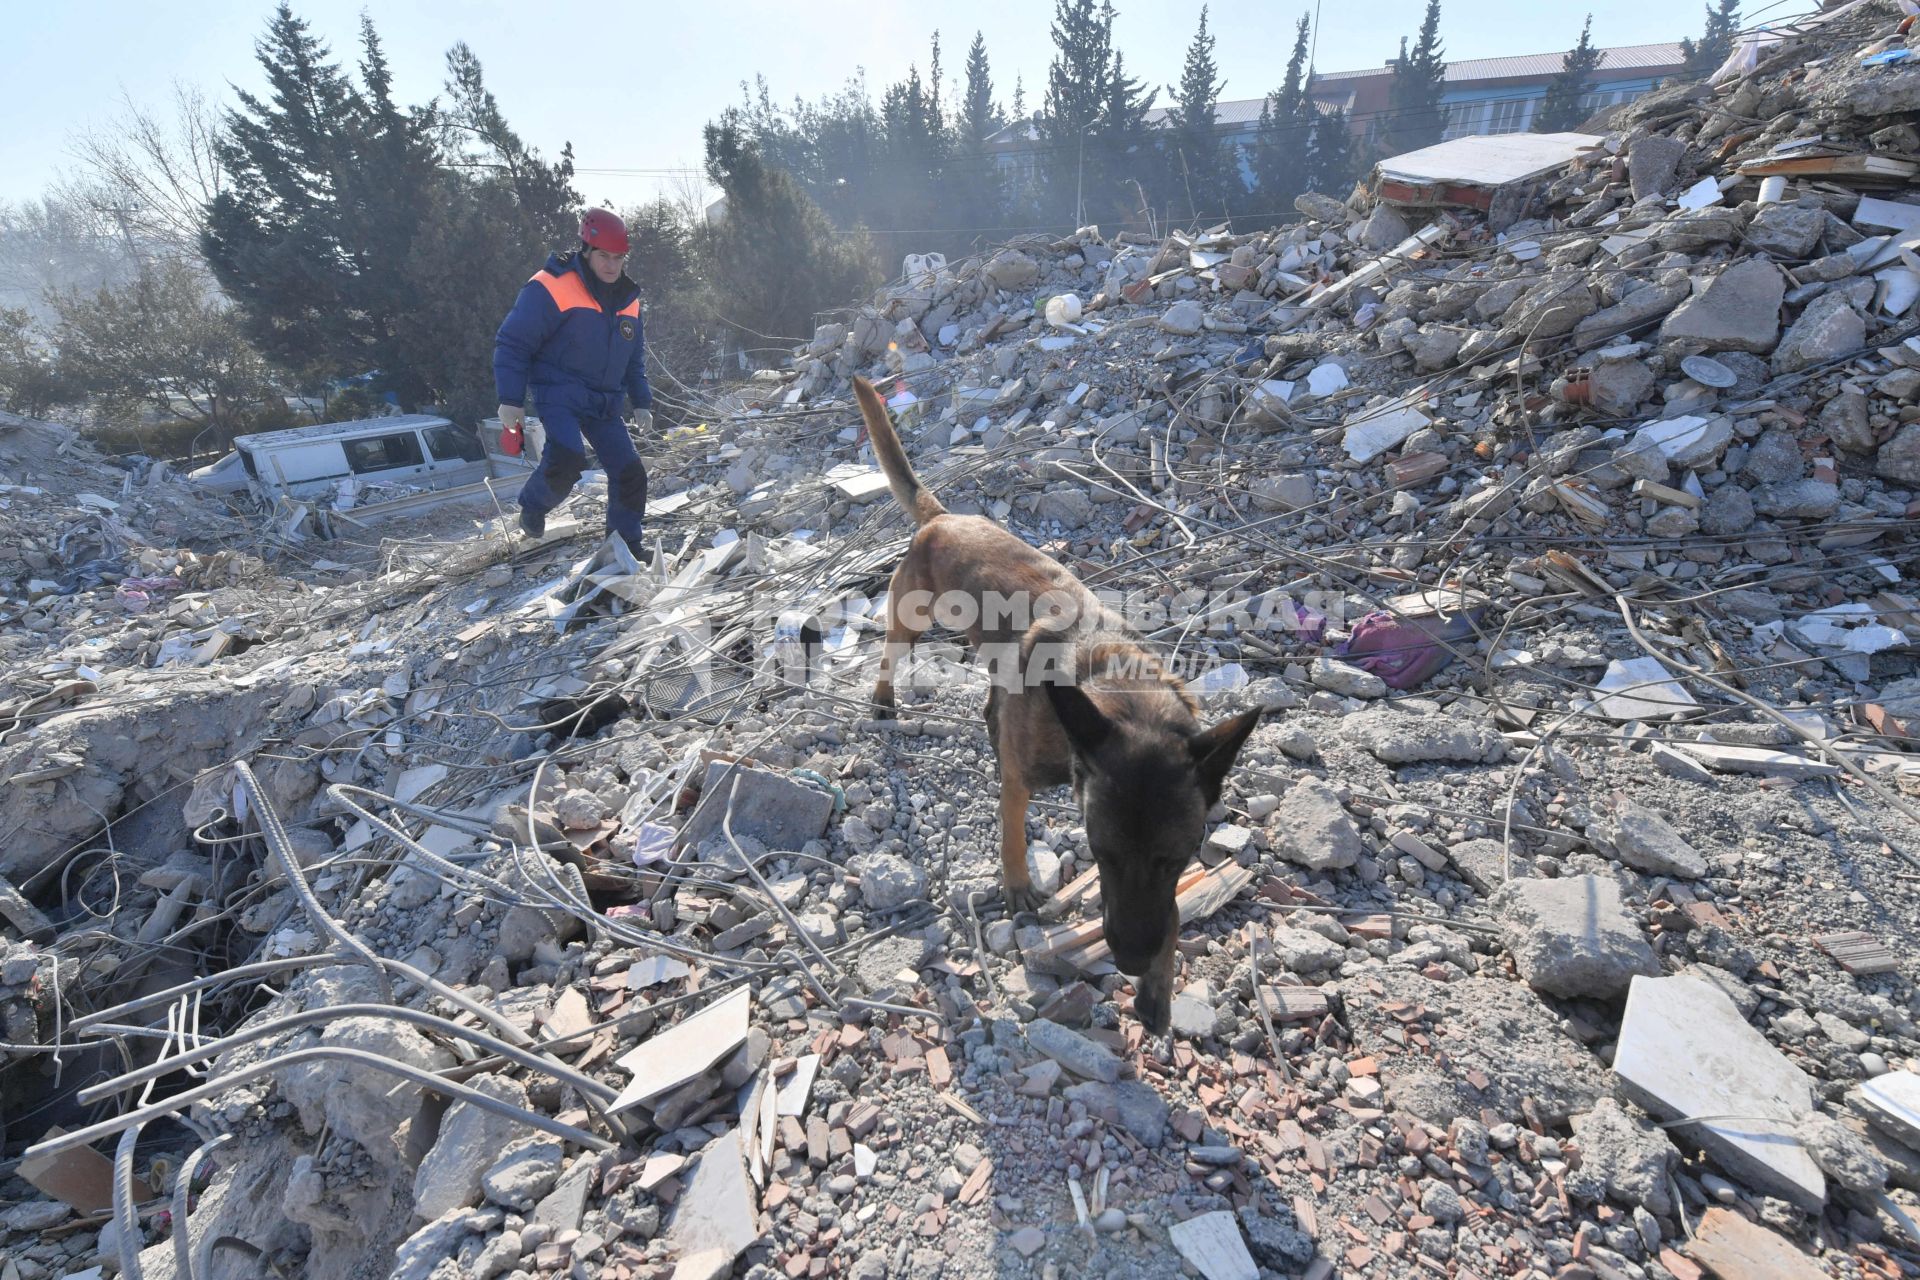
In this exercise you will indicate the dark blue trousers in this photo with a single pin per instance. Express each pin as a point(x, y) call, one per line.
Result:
point(565, 457)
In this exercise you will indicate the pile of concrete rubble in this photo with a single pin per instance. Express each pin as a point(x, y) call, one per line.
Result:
point(512, 909)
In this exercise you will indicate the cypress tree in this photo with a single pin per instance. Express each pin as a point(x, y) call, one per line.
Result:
point(1419, 79)
point(1561, 109)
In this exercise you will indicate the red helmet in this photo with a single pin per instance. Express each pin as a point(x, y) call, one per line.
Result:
point(602, 230)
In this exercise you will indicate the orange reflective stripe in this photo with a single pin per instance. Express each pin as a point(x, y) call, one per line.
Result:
point(569, 292)
point(631, 309)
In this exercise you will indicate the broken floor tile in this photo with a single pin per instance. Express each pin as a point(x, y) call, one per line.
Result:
point(1213, 1244)
point(672, 1057)
point(1684, 1050)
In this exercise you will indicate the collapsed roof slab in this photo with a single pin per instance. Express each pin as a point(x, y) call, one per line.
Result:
point(1467, 171)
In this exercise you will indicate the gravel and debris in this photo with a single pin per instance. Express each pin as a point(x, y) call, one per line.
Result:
point(1587, 668)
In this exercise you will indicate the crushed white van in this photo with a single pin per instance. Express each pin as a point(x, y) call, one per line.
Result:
point(411, 451)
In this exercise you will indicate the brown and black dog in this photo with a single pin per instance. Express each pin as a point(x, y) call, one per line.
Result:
point(1076, 698)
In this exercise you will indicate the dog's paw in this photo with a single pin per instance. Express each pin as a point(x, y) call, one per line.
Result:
point(1154, 1010)
point(1023, 898)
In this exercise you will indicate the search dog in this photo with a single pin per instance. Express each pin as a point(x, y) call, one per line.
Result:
point(1076, 698)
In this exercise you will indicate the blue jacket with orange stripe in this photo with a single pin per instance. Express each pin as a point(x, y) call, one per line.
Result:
point(573, 352)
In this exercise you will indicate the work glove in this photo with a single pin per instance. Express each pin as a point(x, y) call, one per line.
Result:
point(512, 417)
point(643, 421)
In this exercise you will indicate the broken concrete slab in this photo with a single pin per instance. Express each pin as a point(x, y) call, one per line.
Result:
point(1629, 1155)
point(1764, 761)
point(715, 1218)
point(449, 1178)
point(1133, 1105)
point(1398, 737)
point(1830, 327)
point(1891, 1103)
point(1573, 936)
point(1645, 841)
point(1737, 310)
point(1685, 1051)
point(775, 810)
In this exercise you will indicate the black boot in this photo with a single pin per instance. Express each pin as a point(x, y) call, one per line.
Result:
point(533, 523)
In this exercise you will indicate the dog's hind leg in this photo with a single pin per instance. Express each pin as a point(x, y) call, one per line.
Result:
point(902, 615)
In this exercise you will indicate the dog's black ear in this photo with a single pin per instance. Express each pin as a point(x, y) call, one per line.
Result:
point(1214, 750)
point(1086, 726)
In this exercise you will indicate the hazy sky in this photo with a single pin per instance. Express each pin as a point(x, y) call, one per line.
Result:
point(631, 87)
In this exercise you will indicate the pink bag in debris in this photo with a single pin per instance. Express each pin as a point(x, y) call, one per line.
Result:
point(1405, 652)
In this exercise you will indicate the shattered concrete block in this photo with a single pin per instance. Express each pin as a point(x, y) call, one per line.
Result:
point(1642, 839)
point(1653, 299)
point(775, 810)
point(888, 882)
point(1573, 936)
point(364, 1106)
point(1788, 230)
point(1134, 1106)
point(1845, 420)
point(1346, 679)
point(1843, 1155)
point(1551, 307)
point(1631, 1156)
point(1383, 229)
point(715, 1218)
point(450, 1176)
point(1830, 327)
point(1010, 269)
point(1399, 737)
point(1085, 1058)
point(1685, 1051)
point(1304, 951)
point(1651, 164)
point(1738, 310)
point(1182, 318)
point(1899, 458)
point(525, 1173)
point(1314, 829)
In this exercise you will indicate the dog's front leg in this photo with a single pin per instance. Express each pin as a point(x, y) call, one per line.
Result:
point(1014, 879)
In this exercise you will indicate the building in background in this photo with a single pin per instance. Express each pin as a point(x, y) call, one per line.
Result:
point(1497, 95)
point(1483, 95)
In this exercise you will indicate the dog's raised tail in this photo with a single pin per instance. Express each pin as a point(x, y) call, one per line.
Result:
point(907, 489)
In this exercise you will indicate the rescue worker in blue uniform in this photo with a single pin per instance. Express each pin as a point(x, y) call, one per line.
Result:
point(574, 339)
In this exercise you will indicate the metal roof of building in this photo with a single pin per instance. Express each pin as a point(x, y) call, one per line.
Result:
point(1631, 57)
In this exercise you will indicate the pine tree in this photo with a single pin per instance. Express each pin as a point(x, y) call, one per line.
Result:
point(497, 208)
point(1079, 83)
point(1201, 162)
point(1279, 157)
point(1716, 43)
point(980, 116)
point(775, 257)
point(976, 186)
point(1419, 79)
point(1019, 97)
point(1561, 110)
point(1330, 155)
point(329, 184)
